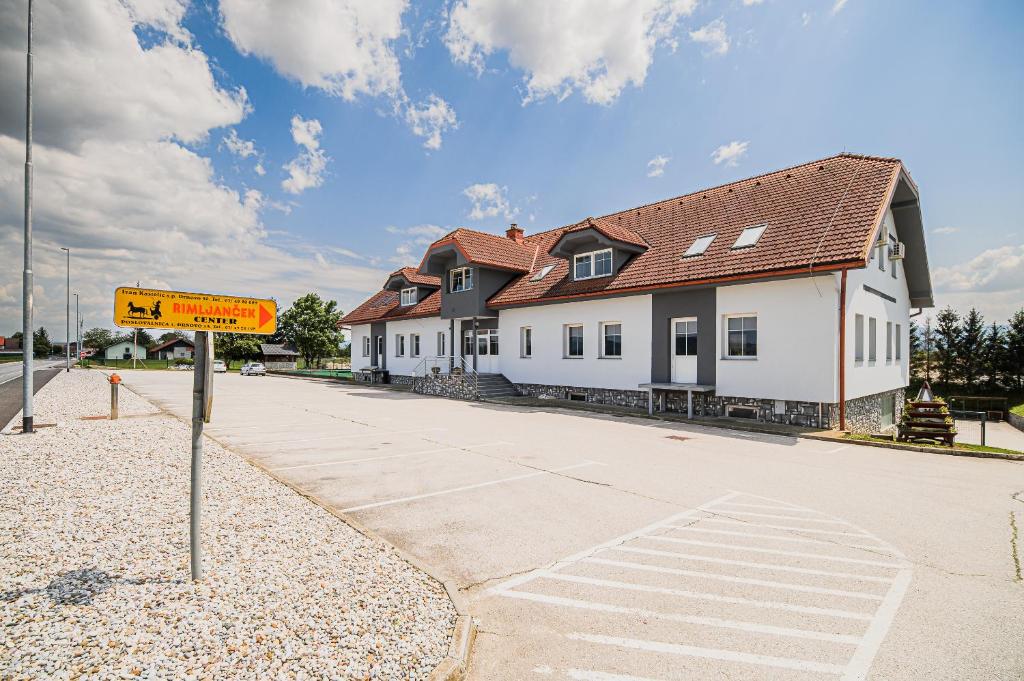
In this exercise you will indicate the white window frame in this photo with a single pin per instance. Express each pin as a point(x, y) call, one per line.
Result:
point(414, 345)
point(699, 245)
point(893, 243)
point(749, 237)
point(366, 346)
point(872, 340)
point(858, 338)
point(526, 342)
point(566, 345)
point(603, 354)
point(591, 258)
point(898, 342)
point(490, 339)
point(888, 342)
point(442, 343)
point(399, 345)
point(408, 296)
point(467, 279)
point(725, 335)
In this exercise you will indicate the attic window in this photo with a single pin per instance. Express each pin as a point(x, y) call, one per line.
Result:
point(408, 296)
point(699, 245)
point(543, 272)
point(750, 236)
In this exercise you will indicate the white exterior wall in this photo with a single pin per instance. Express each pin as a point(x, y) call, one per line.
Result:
point(548, 365)
point(117, 351)
point(797, 343)
point(359, 361)
point(427, 328)
point(868, 378)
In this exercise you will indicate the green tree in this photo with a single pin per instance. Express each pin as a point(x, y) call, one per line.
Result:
point(237, 346)
point(947, 343)
point(98, 338)
point(993, 357)
point(917, 359)
point(1014, 359)
point(171, 335)
point(311, 326)
point(41, 343)
point(970, 349)
point(144, 338)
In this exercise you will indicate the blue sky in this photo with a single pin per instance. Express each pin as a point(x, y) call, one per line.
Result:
point(546, 137)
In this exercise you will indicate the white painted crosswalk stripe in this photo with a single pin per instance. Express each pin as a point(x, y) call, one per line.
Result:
point(775, 537)
point(740, 523)
point(754, 514)
point(776, 552)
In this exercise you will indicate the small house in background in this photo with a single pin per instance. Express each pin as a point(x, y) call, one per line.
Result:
point(124, 350)
point(174, 348)
point(278, 356)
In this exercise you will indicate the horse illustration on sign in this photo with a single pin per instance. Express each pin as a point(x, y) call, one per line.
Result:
point(139, 311)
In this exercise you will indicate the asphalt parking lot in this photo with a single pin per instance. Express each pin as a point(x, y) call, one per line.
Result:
point(606, 548)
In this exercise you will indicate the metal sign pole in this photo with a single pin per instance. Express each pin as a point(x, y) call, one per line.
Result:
point(201, 384)
point(26, 303)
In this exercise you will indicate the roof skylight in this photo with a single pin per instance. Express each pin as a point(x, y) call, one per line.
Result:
point(750, 236)
point(543, 272)
point(699, 245)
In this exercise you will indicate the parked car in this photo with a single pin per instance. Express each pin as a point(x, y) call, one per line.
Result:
point(219, 367)
point(182, 367)
point(254, 369)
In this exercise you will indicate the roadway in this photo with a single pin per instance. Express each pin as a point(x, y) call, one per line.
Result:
point(11, 384)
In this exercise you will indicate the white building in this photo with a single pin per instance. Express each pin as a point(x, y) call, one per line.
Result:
point(786, 297)
point(124, 350)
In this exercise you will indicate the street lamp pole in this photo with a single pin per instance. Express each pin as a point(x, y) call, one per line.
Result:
point(78, 333)
point(67, 317)
point(26, 309)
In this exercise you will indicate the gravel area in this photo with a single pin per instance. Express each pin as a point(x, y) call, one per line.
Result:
point(94, 577)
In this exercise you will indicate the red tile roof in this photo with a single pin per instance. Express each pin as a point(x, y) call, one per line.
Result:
point(820, 215)
point(489, 250)
point(822, 212)
point(384, 306)
point(414, 277)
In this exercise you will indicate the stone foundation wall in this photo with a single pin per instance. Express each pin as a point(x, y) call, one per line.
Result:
point(453, 386)
point(401, 379)
point(790, 412)
point(620, 398)
point(864, 414)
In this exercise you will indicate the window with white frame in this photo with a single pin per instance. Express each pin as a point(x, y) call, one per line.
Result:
point(414, 345)
point(486, 342)
point(888, 342)
point(881, 253)
point(858, 338)
point(399, 345)
point(741, 336)
point(699, 245)
point(899, 343)
point(750, 236)
point(460, 279)
point(442, 344)
point(525, 341)
point(366, 346)
point(685, 335)
point(611, 339)
point(408, 296)
point(872, 339)
point(592, 265)
point(893, 243)
point(574, 340)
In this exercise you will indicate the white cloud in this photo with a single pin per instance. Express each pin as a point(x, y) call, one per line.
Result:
point(595, 46)
point(656, 166)
point(805, 19)
point(238, 146)
point(305, 171)
point(749, 3)
point(838, 6)
point(345, 48)
point(946, 230)
point(714, 36)
point(115, 183)
point(730, 154)
point(489, 200)
point(992, 281)
point(259, 169)
point(410, 250)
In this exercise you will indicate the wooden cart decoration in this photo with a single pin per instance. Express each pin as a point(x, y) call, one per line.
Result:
point(927, 418)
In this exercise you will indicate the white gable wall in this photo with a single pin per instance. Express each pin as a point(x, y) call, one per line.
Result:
point(549, 366)
point(359, 361)
point(427, 328)
point(797, 322)
point(866, 377)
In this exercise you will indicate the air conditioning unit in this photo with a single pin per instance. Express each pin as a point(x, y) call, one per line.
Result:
point(898, 250)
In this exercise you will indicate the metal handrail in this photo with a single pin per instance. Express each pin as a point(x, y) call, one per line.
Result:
point(451, 365)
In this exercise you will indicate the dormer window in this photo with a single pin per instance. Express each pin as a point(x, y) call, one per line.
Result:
point(750, 236)
point(699, 245)
point(460, 279)
point(593, 264)
point(408, 296)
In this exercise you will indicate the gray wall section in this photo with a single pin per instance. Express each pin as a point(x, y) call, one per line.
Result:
point(378, 329)
point(473, 303)
point(699, 303)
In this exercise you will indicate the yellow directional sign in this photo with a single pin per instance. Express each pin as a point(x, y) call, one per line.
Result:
point(148, 308)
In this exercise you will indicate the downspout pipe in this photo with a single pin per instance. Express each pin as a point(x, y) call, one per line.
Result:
point(842, 350)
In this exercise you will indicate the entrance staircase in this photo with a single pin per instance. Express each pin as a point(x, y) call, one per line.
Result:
point(494, 385)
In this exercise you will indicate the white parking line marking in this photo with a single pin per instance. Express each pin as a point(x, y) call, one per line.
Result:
point(590, 675)
point(726, 521)
point(758, 566)
point(771, 584)
point(735, 600)
point(709, 653)
point(776, 552)
point(857, 669)
point(382, 433)
point(341, 462)
point(770, 507)
point(753, 627)
point(464, 488)
point(778, 537)
point(773, 515)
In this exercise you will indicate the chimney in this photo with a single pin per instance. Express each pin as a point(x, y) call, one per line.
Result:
point(515, 233)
